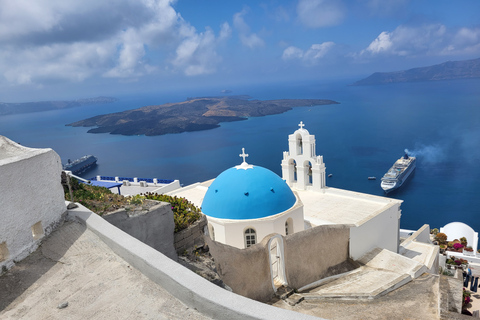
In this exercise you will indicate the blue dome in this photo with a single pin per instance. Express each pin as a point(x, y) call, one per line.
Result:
point(251, 193)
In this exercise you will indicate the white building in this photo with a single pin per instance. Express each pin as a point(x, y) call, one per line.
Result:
point(237, 208)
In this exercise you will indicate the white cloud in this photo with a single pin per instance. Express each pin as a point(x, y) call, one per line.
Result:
point(310, 56)
point(73, 40)
point(292, 53)
point(320, 13)
point(427, 39)
point(382, 43)
point(248, 39)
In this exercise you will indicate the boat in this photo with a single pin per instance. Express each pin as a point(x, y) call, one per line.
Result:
point(372, 178)
point(330, 175)
point(398, 173)
point(80, 165)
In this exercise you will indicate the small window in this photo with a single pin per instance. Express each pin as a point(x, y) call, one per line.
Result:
point(37, 230)
point(250, 237)
point(3, 251)
point(212, 231)
point(289, 226)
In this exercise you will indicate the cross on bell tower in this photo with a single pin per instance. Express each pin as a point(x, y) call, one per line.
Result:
point(301, 125)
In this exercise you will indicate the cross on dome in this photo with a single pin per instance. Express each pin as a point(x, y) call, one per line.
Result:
point(244, 164)
point(301, 125)
point(243, 155)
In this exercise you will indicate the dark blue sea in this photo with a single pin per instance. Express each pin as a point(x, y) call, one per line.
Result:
point(439, 122)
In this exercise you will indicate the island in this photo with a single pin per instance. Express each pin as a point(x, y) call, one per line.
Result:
point(445, 71)
point(7, 108)
point(194, 114)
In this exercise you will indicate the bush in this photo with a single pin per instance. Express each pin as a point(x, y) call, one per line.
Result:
point(434, 231)
point(463, 241)
point(185, 213)
point(441, 238)
point(98, 199)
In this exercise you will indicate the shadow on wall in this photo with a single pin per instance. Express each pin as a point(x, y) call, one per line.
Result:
point(309, 255)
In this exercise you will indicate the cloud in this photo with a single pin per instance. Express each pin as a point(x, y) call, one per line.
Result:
point(310, 56)
point(427, 39)
point(320, 13)
point(52, 40)
point(248, 39)
point(196, 54)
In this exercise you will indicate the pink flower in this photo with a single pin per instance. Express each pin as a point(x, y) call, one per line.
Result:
point(457, 246)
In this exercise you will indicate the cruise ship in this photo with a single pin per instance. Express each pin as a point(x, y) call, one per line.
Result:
point(398, 173)
point(80, 165)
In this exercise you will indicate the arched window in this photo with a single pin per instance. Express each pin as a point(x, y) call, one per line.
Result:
point(250, 237)
point(299, 144)
point(286, 228)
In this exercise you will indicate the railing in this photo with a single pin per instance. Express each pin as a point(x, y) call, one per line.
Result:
point(148, 180)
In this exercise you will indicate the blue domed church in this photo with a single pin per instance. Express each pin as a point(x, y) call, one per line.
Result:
point(247, 202)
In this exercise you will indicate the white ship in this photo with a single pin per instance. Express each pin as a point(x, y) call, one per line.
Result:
point(398, 173)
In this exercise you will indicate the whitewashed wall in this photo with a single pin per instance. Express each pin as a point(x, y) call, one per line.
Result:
point(231, 232)
point(31, 198)
point(381, 231)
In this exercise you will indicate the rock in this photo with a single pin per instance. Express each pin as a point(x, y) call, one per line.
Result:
point(63, 305)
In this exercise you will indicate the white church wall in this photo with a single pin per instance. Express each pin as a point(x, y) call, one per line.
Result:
point(232, 232)
point(32, 201)
point(381, 231)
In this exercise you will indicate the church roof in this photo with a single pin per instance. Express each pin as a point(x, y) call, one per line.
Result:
point(247, 192)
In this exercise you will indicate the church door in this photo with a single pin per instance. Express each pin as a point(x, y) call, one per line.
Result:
point(277, 263)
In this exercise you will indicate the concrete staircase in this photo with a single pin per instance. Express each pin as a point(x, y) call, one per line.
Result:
point(381, 272)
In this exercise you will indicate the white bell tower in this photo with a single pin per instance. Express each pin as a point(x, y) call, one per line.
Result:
point(301, 168)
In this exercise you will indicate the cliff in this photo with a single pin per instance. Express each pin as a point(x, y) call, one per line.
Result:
point(444, 71)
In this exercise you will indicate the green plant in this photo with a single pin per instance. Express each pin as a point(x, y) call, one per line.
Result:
point(136, 199)
point(98, 199)
point(185, 213)
point(434, 231)
point(463, 241)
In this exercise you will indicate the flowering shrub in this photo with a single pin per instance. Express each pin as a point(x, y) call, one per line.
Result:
point(456, 261)
point(457, 246)
point(466, 297)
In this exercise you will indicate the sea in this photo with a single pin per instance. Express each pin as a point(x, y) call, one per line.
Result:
point(361, 137)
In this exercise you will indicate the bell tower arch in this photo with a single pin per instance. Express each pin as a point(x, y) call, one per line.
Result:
point(302, 169)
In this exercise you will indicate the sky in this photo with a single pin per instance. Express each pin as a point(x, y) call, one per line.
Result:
point(68, 49)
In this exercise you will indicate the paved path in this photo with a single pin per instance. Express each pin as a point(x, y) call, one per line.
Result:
point(73, 265)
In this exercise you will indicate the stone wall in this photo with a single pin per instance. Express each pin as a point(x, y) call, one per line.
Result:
point(154, 227)
point(245, 271)
point(315, 254)
point(310, 255)
point(190, 237)
point(32, 202)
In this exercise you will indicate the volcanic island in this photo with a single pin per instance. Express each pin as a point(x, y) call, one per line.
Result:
point(194, 114)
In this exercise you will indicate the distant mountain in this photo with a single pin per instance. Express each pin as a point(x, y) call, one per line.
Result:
point(39, 106)
point(194, 114)
point(444, 71)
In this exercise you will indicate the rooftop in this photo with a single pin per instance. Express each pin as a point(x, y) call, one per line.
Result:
point(337, 206)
